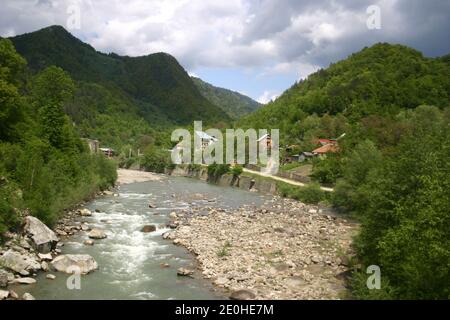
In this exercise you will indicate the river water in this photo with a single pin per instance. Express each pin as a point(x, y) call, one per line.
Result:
point(130, 262)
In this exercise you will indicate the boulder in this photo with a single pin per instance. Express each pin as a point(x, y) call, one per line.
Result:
point(242, 295)
point(185, 272)
point(85, 227)
point(97, 234)
point(43, 238)
point(151, 206)
point(4, 294)
point(45, 256)
point(28, 296)
point(44, 266)
point(50, 276)
point(20, 263)
point(70, 263)
point(13, 295)
point(173, 215)
point(85, 212)
point(24, 281)
point(167, 235)
point(148, 229)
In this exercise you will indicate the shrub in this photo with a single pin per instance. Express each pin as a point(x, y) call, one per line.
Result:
point(156, 160)
point(310, 194)
point(236, 171)
point(215, 171)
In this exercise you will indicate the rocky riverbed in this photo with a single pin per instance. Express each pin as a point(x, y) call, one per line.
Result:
point(282, 250)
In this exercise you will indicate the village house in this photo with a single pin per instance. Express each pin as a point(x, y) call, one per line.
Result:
point(93, 145)
point(107, 152)
point(265, 140)
point(206, 139)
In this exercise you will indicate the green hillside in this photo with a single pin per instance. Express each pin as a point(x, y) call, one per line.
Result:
point(392, 169)
point(380, 80)
point(233, 103)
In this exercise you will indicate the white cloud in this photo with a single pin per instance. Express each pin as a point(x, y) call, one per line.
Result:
point(268, 96)
point(270, 36)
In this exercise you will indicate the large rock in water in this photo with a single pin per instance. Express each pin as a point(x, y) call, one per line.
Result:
point(73, 263)
point(21, 263)
point(148, 229)
point(43, 238)
point(97, 234)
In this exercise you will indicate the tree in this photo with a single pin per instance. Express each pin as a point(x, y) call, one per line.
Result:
point(52, 87)
point(11, 66)
point(405, 211)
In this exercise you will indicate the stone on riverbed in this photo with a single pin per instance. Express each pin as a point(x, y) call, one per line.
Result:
point(43, 238)
point(28, 296)
point(242, 295)
point(85, 212)
point(75, 263)
point(88, 242)
point(97, 234)
point(20, 263)
point(13, 295)
point(5, 277)
point(45, 256)
point(44, 266)
point(50, 276)
point(24, 281)
point(4, 294)
point(185, 272)
point(148, 229)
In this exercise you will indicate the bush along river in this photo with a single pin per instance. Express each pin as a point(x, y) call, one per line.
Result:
point(134, 261)
point(181, 238)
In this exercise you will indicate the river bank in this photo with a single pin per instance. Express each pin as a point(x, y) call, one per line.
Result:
point(126, 176)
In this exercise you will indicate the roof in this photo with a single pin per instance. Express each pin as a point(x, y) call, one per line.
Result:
point(331, 147)
point(307, 154)
point(264, 137)
point(325, 141)
point(205, 136)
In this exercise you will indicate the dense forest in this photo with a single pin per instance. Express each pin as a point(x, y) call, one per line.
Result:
point(44, 165)
point(393, 169)
point(233, 103)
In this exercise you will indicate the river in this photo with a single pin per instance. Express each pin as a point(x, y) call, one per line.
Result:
point(131, 262)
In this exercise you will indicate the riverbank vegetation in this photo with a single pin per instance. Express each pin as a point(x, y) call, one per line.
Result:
point(44, 165)
point(310, 194)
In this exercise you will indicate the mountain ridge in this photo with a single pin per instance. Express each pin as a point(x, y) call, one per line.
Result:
point(156, 79)
point(232, 102)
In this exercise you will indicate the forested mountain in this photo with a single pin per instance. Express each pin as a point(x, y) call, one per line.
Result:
point(132, 96)
point(391, 171)
point(233, 103)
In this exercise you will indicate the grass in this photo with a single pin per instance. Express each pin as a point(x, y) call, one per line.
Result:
point(310, 194)
point(224, 251)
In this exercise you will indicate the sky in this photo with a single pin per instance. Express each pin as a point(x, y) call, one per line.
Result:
point(256, 47)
